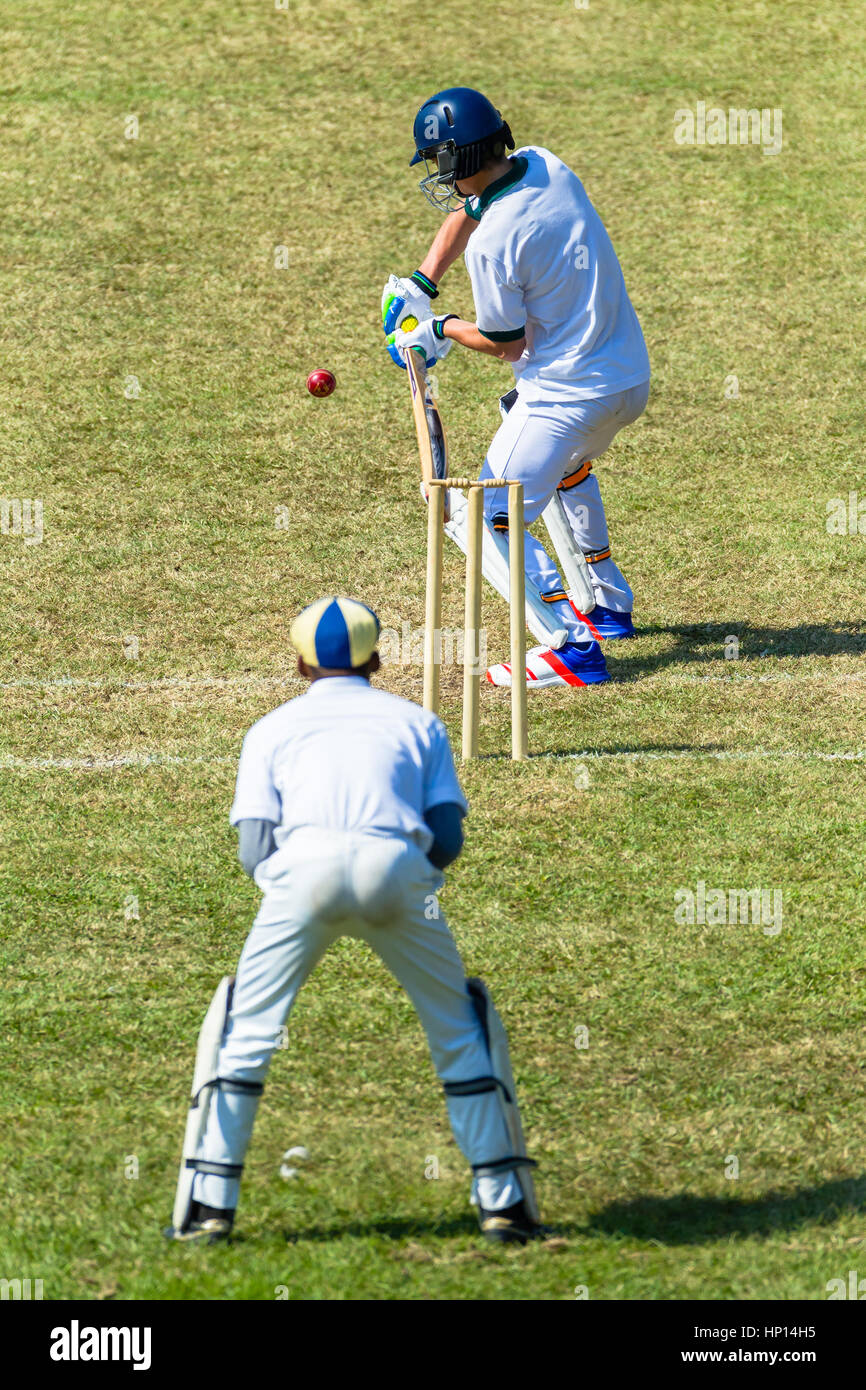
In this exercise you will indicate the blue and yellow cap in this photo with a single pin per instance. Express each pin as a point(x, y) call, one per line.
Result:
point(337, 633)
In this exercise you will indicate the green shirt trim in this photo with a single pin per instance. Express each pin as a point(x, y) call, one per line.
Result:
point(519, 166)
point(510, 336)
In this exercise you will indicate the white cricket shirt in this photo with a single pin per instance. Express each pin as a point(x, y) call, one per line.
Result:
point(346, 756)
point(541, 261)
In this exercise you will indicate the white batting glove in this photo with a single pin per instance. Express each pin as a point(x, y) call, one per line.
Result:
point(427, 336)
point(401, 297)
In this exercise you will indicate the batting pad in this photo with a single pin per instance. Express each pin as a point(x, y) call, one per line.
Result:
point(494, 567)
point(570, 558)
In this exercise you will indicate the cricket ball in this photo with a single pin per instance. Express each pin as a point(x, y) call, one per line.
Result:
point(321, 382)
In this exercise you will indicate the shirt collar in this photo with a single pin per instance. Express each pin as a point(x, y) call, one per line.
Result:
point(519, 166)
point(337, 682)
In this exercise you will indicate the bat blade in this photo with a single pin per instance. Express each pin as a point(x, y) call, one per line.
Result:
point(432, 445)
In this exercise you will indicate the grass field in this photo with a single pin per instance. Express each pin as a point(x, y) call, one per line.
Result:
point(154, 352)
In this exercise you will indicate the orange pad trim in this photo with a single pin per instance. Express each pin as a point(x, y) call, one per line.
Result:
point(573, 479)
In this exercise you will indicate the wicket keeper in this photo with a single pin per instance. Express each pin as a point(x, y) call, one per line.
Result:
point(348, 809)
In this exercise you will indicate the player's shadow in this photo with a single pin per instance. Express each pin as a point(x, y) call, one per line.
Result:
point(688, 1220)
point(706, 644)
point(618, 749)
point(393, 1228)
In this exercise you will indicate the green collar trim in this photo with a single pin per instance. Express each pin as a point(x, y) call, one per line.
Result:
point(519, 166)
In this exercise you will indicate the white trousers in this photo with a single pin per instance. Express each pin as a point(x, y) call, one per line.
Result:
point(319, 886)
point(540, 443)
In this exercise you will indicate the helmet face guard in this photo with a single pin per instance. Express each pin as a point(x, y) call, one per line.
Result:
point(438, 185)
point(447, 163)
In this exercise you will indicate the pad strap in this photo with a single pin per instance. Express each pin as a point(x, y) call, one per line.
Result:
point(502, 1165)
point(233, 1088)
point(476, 1087)
point(219, 1170)
point(239, 1088)
point(593, 556)
point(580, 476)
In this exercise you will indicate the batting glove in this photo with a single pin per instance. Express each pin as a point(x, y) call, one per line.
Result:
point(403, 299)
point(428, 337)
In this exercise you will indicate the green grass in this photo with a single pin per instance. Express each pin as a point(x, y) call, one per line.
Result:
point(154, 258)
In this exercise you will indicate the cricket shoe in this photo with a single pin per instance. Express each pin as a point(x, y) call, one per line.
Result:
point(604, 622)
point(208, 1226)
point(577, 663)
point(210, 1232)
point(510, 1226)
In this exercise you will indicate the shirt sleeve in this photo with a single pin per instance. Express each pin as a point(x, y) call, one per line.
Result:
point(499, 308)
point(255, 843)
point(440, 775)
point(256, 797)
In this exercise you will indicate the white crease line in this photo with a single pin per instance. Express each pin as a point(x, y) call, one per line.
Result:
point(9, 763)
point(724, 754)
point(163, 683)
point(255, 682)
point(832, 679)
point(95, 764)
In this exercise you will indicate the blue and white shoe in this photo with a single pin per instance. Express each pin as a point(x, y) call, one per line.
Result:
point(607, 623)
point(577, 663)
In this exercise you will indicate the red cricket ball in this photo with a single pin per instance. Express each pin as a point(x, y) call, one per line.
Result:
point(321, 382)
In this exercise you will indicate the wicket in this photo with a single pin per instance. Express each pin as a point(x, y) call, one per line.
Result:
point(472, 616)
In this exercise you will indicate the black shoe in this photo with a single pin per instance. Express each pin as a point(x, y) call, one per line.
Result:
point(202, 1232)
point(511, 1225)
point(206, 1226)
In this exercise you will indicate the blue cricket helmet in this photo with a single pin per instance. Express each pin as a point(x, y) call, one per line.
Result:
point(456, 132)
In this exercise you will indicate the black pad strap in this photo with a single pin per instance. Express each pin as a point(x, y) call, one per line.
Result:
point(477, 1086)
point(237, 1088)
point(219, 1170)
point(502, 1165)
point(222, 1083)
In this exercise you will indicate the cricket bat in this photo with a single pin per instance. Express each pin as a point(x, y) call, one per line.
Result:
point(432, 445)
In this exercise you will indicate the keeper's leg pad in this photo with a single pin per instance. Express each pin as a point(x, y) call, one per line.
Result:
point(500, 1063)
point(204, 1082)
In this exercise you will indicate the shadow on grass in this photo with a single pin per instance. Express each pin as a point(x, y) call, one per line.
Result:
point(395, 1228)
point(688, 1220)
point(705, 643)
point(616, 749)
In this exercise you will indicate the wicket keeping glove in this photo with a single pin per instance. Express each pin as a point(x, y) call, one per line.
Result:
point(403, 299)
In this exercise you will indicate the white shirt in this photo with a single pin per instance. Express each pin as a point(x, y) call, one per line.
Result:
point(540, 259)
point(346, 756)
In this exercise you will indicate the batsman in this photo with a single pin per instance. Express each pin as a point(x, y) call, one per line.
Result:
point(348, 808)
point(550, 300)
